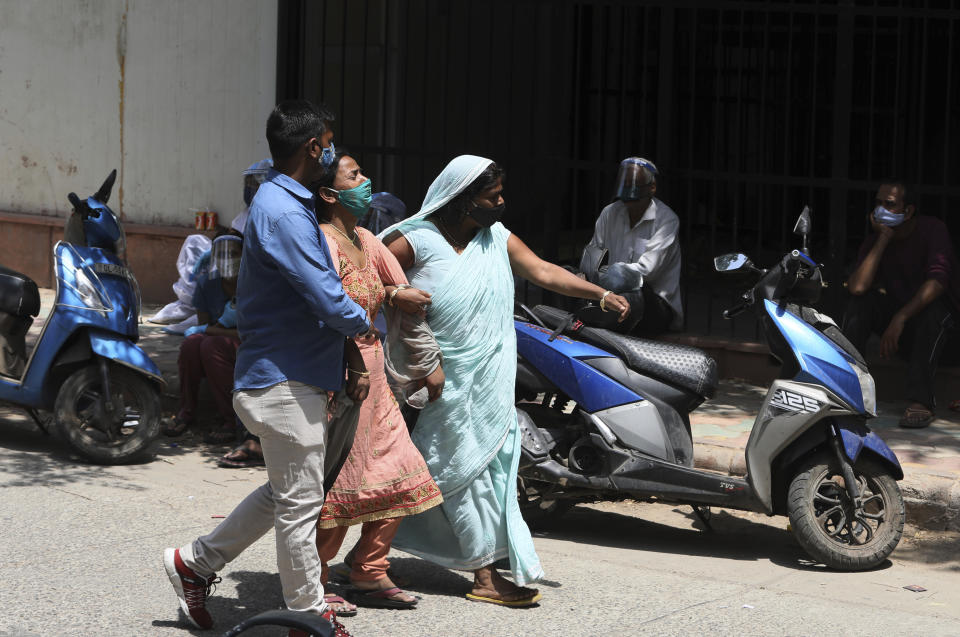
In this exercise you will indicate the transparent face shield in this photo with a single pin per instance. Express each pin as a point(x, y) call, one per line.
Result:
point(634, 179)
point(253, 176)
point(225, 257)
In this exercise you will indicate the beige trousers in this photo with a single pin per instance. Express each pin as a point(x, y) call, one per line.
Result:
point(301, 444)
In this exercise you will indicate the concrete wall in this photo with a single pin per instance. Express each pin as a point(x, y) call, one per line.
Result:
point(174, 94)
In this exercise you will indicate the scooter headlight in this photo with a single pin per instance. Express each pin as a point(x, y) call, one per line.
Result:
point(87, 291)
point(868, 387)
point(120, 245)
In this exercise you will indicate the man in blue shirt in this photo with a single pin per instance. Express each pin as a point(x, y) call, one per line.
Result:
point(296, 325)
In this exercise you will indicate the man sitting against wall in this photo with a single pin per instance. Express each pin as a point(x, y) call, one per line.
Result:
point(905, 287)
point(635, 250)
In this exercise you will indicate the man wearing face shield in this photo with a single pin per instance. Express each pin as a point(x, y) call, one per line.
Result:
point(635, 250)
point(210, 348)
point(906, 288)
point(253, 176)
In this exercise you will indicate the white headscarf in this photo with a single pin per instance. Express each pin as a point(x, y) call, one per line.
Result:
point(452, 180)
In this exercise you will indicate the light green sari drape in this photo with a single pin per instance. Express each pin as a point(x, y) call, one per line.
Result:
point(469, 437)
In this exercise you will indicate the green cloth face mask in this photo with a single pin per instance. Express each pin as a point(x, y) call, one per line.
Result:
point(356, 199)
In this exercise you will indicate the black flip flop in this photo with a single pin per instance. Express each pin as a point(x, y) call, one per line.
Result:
point(380, 599)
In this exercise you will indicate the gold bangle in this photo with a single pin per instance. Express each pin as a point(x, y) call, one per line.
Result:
point(603, 301)
point(358, 373)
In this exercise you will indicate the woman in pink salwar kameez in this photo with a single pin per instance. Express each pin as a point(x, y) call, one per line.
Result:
point(384, 478)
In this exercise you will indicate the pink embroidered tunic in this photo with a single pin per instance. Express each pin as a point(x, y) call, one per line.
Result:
point(384, 476)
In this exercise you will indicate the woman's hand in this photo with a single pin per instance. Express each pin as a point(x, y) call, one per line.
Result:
point(358, 378)
point(434, 383)
point(412, 301)
point(616, 303)
point(367, 338)
point(358, 385)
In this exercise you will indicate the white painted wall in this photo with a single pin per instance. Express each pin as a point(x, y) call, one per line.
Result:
point(174, 94)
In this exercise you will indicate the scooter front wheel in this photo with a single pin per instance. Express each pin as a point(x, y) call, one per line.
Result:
point(831, 527)
point(125, 433)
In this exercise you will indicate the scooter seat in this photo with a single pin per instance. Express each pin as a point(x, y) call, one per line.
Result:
point(18, 293)
point(680, 365)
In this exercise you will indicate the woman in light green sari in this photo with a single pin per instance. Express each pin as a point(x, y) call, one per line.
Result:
point(457, 249)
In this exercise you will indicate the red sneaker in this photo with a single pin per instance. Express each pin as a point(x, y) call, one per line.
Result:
point(192, 589)
point(330, 616)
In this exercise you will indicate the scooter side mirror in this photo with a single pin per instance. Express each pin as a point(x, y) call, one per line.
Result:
point(732, 262)
point(802, 227)
point(103, 194)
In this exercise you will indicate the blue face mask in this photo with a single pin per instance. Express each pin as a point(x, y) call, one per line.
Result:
point(326, 157)
point(356, 199)
point(887, 218)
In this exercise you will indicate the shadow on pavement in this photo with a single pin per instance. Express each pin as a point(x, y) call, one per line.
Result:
point(420, 576)
point(257, 592)
point(732, 537)
point(38, 459)
point(930, 548)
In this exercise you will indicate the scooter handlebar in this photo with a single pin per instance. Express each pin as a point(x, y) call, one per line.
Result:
point(734, 311)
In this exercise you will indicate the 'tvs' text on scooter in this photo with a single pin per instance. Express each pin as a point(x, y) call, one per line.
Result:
point(605, 416)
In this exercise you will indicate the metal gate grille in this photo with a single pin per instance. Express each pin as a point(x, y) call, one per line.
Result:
point(750, 109)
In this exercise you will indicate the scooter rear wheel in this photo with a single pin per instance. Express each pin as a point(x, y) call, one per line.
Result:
point(828, 525)
point(80, 417)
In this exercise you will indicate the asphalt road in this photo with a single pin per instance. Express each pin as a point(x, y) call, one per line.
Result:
point(81, 555)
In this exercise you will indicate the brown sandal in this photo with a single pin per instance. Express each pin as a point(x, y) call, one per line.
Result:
point(175, 426)
point(221, 435)
point(914, 418)
point(241, 458)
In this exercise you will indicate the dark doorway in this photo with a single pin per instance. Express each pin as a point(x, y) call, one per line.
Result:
point(751, 110)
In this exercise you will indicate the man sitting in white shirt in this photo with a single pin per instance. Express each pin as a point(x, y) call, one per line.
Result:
point(635, 251)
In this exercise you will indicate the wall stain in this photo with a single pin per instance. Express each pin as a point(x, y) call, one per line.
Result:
point(66, 167)
point(122, 60)
point(27, 162)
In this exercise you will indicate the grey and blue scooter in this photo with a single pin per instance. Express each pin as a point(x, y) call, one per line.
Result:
point(604, 416)
point(103, 390)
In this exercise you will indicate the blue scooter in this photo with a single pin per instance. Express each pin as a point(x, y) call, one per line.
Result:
point(605, 416)
point(103, 390)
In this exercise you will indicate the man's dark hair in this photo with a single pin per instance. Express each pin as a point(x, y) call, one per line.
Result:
point(453, 212)
point(905, 193)
point(292, 123)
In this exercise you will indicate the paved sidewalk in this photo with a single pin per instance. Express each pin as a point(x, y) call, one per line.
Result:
point(721, 427)
point(930, 457)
